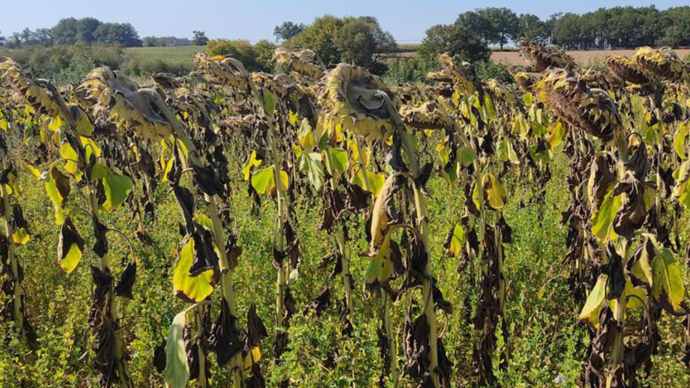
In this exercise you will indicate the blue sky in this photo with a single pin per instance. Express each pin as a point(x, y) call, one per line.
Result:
point(405, 19)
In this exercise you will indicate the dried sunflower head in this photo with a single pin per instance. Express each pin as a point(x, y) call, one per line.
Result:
point(663, 62)
point(40, 94)
point(463, 74)
point(222, 70)
point(305, 62)
point(591, 110)
point(439, 76)
point(288, 93)
point(166, 81)
point(358, 102)
point(526, 80)
point(125, 103)
point(499, 91)
point(627, 70)
point(429, 115)
point(542, 57)
point(594, 78)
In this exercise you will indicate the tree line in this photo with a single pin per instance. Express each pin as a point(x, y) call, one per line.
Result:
point(91, 31)
point(605, 28)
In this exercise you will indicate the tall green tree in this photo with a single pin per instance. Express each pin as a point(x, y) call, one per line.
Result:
point(456, 40)
point(200, 38)
point(86, 27)
point(504, 25)
point(115, 34)
point(349, 39)
point(287, 31)
point(65, 31)
point(531, 29)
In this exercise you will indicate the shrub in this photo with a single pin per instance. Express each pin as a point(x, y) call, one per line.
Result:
point(66, 64)
point(408, 70)
point(254, 58)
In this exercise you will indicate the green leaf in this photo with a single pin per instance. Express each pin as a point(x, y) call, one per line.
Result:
point(668, 279)
point(310, 163)
point(679, 140)
point(195, 288)
point(466, 156)
point(270, 100)
point(680, 191)
point(527, 98)
point(176, 366)
point(590, 311)
point(338, 159)
point(490, 111)
point(601, 224)
point(305, 135)
point(505, 152)
point(116, 187)
point(263, 179)
point(375, 181)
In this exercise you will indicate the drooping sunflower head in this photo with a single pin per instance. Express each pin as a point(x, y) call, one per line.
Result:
point(542, 57)
point(523, 77)
point(627, 70)
point(357, 102)
point(305, 63)
point(222, 70)
point(125, 103)
point(526, 80)
point(662, 62)
point(569, 98)
point(40, 94)
point(462, 74)
point(594, 78)
point(429, 115)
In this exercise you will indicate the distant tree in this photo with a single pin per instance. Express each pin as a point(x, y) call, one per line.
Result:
point(672, 37)
point(200, 38)
point(566, 30)
point(320, 36)
point(44, 36)
point(504, 25)
point(356, 43)
point(165, 41)
point(86, 27)
point(287, 31)
point(254, 58)
point(149, 41)
point(531, 29)
point(456, 40)
point(350, 39)
point(14, 41)
point(438, 39)
point(65, 32)
point(384, 40)
point(678, 17)
point(263, 51)
point(112, 34)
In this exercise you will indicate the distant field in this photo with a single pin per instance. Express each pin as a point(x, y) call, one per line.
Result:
point(582, 57)
point(181, 55)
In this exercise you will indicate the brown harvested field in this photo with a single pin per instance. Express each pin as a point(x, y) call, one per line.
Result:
point(582, 57)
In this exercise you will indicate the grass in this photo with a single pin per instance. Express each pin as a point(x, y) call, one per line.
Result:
point(181, 55)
